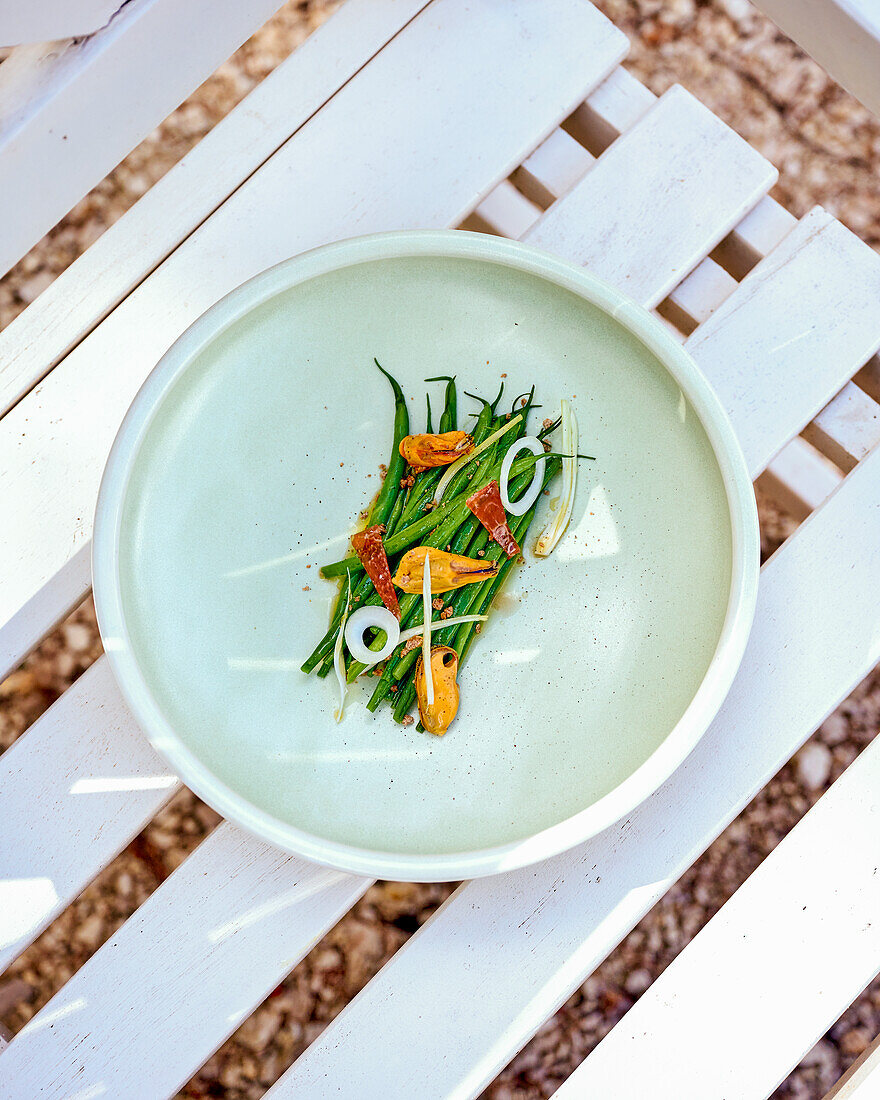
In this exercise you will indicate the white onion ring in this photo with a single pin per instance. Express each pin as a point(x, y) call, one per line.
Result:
point(536, 447)
point(358, 624)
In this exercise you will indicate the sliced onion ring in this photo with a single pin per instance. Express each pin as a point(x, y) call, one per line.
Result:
point(359, 622)
point(418, 631)
point(536, 447)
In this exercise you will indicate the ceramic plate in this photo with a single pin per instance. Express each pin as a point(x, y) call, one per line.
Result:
point(241, 468)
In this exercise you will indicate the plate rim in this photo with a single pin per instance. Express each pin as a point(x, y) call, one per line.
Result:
point(640, 784)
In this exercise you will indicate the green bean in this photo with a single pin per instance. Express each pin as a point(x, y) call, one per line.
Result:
point(404, 699)
point(396, 464)
point(426, 481)
point(465, 632)
point(463, 602)
point(449, 419)
point(442, 536)
point(486, 467)
point(428, 426)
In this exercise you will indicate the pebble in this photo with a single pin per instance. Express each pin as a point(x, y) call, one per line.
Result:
point(257, 1032)
point(834, 729)
point(77, 637)
point(814, 765)
point(638, 981)
point(855, 1042)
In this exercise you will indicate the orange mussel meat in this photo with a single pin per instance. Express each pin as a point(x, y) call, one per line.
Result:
point(425, 451)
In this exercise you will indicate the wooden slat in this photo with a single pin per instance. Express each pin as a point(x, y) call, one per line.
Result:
point(615, 107)
point(770, 972)
point(530, 937)
point(688, 180)
point(506, 212)
point(697, 297)
point(847, 428)
point(799, 479)
point(50, 20)
point(48, 110)
point(862, 1080)
point(74, 790)
point(236, 147)
point(806, 317)
point(760, 231)
point(553, 169)
point(407, 163)
point(181, 974)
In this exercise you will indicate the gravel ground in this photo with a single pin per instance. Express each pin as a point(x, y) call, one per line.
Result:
point(828, 150)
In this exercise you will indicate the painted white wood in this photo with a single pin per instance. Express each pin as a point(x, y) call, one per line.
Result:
point(513, 947)
point(862, 1080)
point(58, 597)
point(869, 377)
point(180, 975)
point(74, 790)
point(48, 20)
point(615, 106)
point(428, 131)
point(806, 316)
point(679, 177)
point(847, 428)
point(136, 244)
point(506, 212)
point(842, 35)
point(48, 110)
point(799, 479)
point(697, 296)
point(803, 929)
point(760, 231)
point(553, 169)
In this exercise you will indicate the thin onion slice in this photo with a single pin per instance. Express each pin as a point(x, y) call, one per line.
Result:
point(417, 631)
point(361, 621)
point(536, 447)
point(426, 630)
point(554, 530)
point(338, 663)
point(460, 463)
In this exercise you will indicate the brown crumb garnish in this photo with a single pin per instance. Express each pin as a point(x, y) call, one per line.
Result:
point(377, 671)
point(481, 553)
point(412, 643)
point(545, 443)
point(308, 567)
point(407, 720)
point(479, 628)
point(306, 588)
point(341, 464)
point(383, 469)
point(448, 547)
point(408, 482)
point(393, 687)
point(504, 375)
point(548, 423)
point(446, 613)
point(523, 403)
point(430, 505)
point(437, 604)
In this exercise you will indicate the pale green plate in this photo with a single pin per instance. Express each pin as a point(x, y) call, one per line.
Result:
point(242, 466)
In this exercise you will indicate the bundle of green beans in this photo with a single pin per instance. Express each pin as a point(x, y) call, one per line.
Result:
point(405, 506)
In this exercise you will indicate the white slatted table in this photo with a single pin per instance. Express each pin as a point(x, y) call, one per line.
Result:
point(553, 143)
